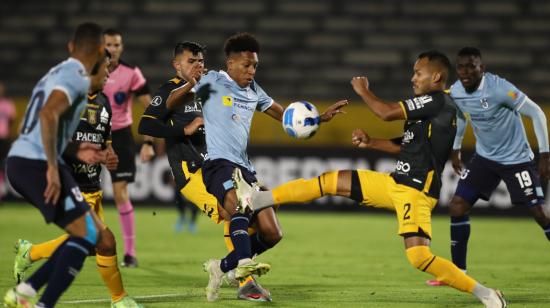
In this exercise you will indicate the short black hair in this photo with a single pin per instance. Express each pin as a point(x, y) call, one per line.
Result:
point(469, 51)
point(241, 42)
point(87, 37)
point(193, 47)
point(112, 32)
point(95, 69)
point(437, 57)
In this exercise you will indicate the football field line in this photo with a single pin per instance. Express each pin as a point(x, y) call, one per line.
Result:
point(108, 300)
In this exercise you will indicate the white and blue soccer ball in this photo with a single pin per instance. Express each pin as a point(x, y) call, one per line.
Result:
point(301, 120)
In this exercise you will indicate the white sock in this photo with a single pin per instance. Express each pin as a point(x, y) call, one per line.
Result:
point(262, 199)
point(482, 292)
point(26, 289)
point(244, 261)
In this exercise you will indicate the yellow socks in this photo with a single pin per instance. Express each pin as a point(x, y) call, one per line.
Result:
point(422, 258)
point(46, 249)
point(108, 269)
point(301, 190)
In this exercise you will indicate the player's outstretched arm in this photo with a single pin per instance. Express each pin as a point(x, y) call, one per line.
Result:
point(147, 150)
point(333, 110)
point(532, 110)
point(57, 103)
point(383, 110)
point(275, 111)
point(361, 139)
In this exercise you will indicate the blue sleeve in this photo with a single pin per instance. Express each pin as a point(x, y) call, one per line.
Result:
point(532, 110)
point(509, 94)
point(73, 81)
point(264, 100)
point(210, 77)
point(460, 129)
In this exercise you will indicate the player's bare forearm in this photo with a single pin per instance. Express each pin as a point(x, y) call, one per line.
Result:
point(56, 104)
point(275, 111)
point(383, 110)
point(180, 96)
point(48, 125)
point(384, 145)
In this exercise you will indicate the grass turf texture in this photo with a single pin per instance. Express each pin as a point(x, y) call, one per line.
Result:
point(324, 260)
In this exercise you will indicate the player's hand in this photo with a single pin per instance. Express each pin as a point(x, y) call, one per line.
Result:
point(456, 161)
point(333, 110)
point(360, 85)
point(193, 73)
point(146, 153)
point(544, 166)
point(192, 127)
point(53, 187)
point(90, 153)
point(111, 159)
point(360, 139)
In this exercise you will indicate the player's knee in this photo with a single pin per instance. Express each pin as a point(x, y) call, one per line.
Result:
point(419, 256)
point(329, 182)
point(458, 207)
point(274, 237)
point(106, 246)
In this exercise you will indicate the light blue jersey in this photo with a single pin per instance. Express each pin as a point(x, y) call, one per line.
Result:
point(493, 112)
point(228, 114)
point(69, 76)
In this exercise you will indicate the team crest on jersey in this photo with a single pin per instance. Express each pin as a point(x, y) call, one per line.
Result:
point(156, 101)
point(484, 103)
point(513, 94)
point(227, 100)
point(92, 116)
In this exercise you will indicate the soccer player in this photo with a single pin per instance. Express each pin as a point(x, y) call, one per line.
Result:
point(94, 127)
point(494, 107)
point(175, 114)
point(37, 172)
point(228, 111)
point(413, 188)
point(125, 82)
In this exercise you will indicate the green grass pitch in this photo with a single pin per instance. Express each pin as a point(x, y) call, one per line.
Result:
point(324, 260)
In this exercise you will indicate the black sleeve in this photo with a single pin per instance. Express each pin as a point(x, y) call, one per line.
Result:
point(107, 132)
point(154, 121)
point(143, 90)
point(422, 107)
point(71, 150)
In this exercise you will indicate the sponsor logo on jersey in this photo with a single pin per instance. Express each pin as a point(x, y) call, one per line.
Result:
point(403, 166)
point(513, 94)
point(227, 100)
point(156, 101)
point(418, 102)
point(104, 116)
point(89, 137)
point(408, 136)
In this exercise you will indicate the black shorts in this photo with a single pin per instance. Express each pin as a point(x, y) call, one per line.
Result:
point(28, 178)
point(125, 148)
point(482, 176)
point(217, 176)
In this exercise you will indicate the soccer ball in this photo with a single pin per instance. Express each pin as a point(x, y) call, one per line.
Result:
point(301, 120)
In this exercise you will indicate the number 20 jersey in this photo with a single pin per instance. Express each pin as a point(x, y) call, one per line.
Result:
point(70, 77)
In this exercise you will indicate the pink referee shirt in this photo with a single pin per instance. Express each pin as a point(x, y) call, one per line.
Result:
point(123, 82)
point(7, 114)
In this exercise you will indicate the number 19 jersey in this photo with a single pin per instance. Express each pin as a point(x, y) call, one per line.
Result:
point(70, 77)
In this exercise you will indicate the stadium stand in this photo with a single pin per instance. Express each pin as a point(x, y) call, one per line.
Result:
point(310, 48)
